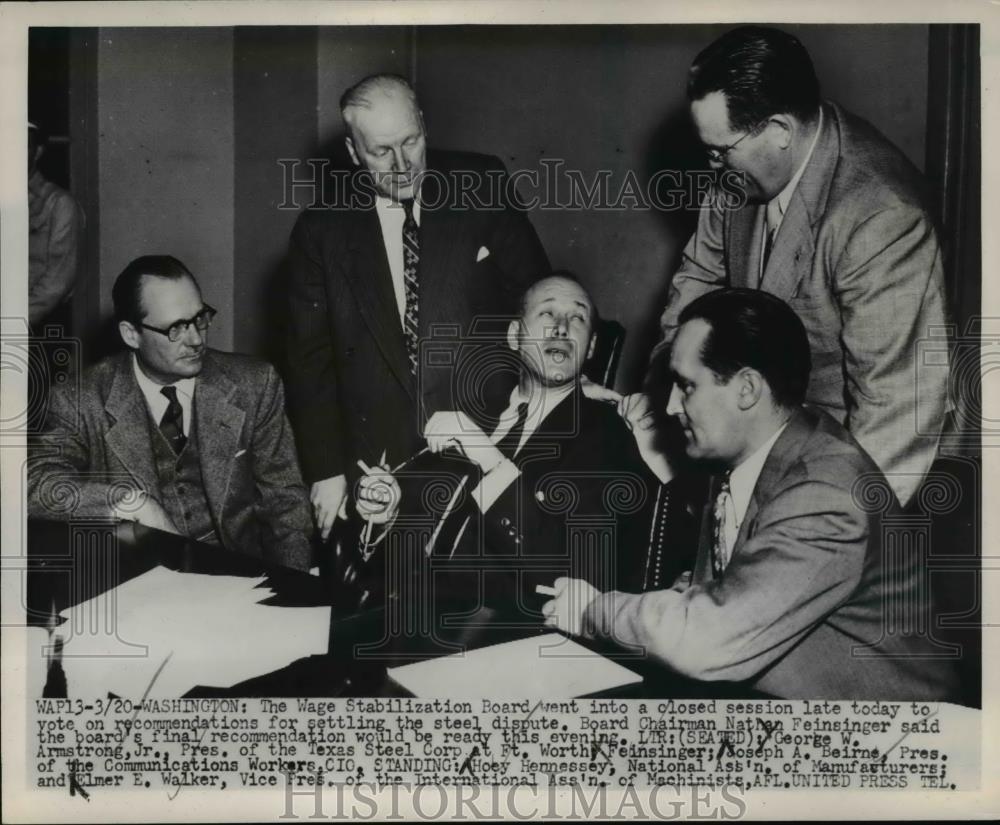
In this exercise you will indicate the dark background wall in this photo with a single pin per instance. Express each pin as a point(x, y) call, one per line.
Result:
point(612, 97)
point(191, 124)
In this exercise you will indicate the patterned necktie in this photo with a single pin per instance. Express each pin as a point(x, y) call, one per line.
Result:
point(720, 546)
point(512, 440)
point(172, 423)
point(411, 285)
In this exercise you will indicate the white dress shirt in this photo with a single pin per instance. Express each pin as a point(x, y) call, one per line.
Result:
point(391, 217)
point(778, 205)
point(540, 404)
point(157, 401)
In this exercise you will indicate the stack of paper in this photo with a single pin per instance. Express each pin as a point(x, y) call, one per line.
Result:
point(547, 666)
point(164, 632)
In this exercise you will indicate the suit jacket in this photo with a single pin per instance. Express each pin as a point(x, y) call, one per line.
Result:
point(582, 506)
point(813, 603)
point(97, 444)
point(858, 259)
point(351, 393)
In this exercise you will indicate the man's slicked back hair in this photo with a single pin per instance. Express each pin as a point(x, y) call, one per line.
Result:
point(761, 71)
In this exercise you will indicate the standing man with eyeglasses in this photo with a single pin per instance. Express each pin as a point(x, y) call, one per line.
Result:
point(172, 434)
point(834, 223)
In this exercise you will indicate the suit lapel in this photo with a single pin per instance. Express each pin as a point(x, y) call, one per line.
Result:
point(785, 450)
point(128, 436)
point(794, 245)
point(367, 272)
point(792, 254)
point(218, 423)
point(438, 264)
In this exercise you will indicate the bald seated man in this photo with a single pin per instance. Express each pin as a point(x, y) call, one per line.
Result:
point(540, 482)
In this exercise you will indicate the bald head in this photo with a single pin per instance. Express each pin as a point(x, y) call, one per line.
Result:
point(554, 335)
point(386, 134)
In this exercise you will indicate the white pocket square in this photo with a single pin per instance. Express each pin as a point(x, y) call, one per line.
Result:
point(239, 454)
point(482, 254)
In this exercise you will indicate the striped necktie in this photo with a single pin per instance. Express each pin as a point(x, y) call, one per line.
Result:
point(411, 284)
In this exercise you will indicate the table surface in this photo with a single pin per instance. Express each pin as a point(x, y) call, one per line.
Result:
point(71, 562)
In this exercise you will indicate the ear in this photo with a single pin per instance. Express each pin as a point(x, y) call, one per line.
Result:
point(513, 330)
point(751, 386)
point(785, 127)
point(349, 143)
point(129, 334)
point(592, 346)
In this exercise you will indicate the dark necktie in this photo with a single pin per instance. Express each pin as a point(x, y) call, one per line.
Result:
point(771, 220)
point(512, 440)
point(172, 423)
point(720, 547)
point(411, 285)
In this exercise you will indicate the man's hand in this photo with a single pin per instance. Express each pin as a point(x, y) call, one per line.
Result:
point(378, 495)
point(150, 514)
point(328, 498)
point(599, 392)
point(565, 610)
point(456, 429)
point(639, 416)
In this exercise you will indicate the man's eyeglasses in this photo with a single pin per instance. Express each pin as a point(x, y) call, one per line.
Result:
point(202, 321)
point(718, 153)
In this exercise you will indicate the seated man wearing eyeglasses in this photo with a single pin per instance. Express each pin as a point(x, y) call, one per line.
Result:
point(172, 434)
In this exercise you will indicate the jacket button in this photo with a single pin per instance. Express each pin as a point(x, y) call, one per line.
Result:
point(505, 522)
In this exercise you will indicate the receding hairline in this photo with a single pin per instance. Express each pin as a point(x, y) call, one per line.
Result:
point(371, 91)
point(564, 279)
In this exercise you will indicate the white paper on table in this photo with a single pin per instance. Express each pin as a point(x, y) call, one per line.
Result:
point(184, 629)
point(547, 666)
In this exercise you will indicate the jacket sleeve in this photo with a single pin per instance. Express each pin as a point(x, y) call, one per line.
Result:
point(282, 497)
point(313, 390)
point(62, 260)
point(702, 269)
point(802, 563)
point(889, 284)
point(61, 484)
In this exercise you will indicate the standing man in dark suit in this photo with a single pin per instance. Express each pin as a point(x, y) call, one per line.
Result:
point(836, 224)
point(172, 434)
point(419, 241)
point(550, 484)
point(792, 590)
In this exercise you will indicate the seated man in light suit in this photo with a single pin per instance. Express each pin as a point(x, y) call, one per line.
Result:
point(533, 474)
point(791, 590)
point(172, 434)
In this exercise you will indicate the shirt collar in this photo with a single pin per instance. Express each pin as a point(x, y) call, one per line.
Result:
point(388, 208)
point(540, 403)
point(151, 390)
point(743, 478)
point(784, 197)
